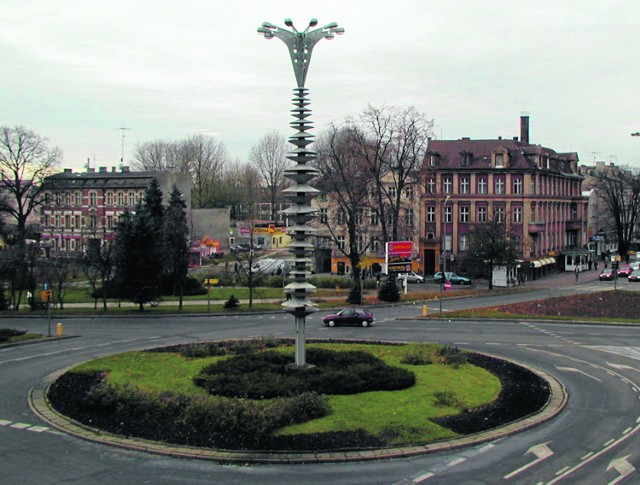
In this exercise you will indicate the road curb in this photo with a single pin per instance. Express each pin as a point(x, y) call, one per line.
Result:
point(40, 406)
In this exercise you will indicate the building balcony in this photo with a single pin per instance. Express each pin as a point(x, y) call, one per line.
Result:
point(573, 225)
point(535, 227)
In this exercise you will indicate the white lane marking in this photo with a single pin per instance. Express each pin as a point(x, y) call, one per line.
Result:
point(573, 369)
point(540, 451)
point(623, 467)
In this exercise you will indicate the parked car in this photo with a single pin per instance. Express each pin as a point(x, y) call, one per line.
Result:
point(635, 276)
point(452, 277)
point(607, 275)
point(624, 270)
point(349, 316)
point(412, 277)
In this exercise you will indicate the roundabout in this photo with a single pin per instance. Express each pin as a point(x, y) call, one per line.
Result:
point(514, 410)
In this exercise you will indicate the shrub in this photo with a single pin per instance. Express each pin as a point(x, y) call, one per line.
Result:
point(7, 333)
point(232, 303)
point(452, 356)
point(267, 375)
point(446, 399)
point(389, 290)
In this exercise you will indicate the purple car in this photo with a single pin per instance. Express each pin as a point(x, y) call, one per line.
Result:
point(349, 316)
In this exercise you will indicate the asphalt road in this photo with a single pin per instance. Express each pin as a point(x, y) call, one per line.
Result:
point(594, 441)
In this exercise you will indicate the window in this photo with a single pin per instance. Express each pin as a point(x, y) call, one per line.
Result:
point(408, 192)
point(517, 185)
point(499, 214)
point(67, 199)
point(121, 199)
point(375, 244)
point(432, 160)
point(93, 221)
point(109, 221)
point(464, 213)
point(482, 185)
point(375, 217)
point(517, 214)
point(408, 217)
point(499, 186)
point(392, 192)
point(78, 221)
point(341, 216)
point(67, 221)
point(340, 242)
point(58, 199)
point(431, 186)
point(132, 198)
point(93, 198)
point(57, 221)
point(463, 242)
point(448, 213)
point(323, 215)
point(447, 185)
point(360, 242)
point(359, 216)
point(78, 199)
point(431, 213)
point(464, 184)
point(482, 214)
point(109, 198)
point(499, 160)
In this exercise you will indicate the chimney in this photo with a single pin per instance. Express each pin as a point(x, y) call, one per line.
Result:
point(103, 169)
point(68, 170)
point(524, 128)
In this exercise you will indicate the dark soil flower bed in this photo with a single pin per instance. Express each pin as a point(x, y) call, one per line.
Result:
point(604, 304)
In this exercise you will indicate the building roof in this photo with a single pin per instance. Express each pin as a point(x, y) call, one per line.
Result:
point(103, 178)
point(451, 154)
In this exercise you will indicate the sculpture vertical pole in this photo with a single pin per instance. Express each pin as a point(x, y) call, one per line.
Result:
point(300, 45)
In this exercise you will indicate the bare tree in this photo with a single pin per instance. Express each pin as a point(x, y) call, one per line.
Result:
point(346, 181)
point(619, 190)
point(25, 160)
point(154, 155)
point(392, 142)
point(270, 158)
point(238, 189)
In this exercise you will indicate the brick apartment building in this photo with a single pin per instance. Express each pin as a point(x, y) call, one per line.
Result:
point(81, 208)
point(535, 189)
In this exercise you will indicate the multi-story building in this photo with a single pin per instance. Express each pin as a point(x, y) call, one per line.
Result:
point(533, 188)
point(84, 208)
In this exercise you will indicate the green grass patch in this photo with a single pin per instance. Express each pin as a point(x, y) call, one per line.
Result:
point(397, 417)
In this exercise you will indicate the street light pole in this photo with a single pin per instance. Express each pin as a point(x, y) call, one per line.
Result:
point(300, 45)
point(444, 249)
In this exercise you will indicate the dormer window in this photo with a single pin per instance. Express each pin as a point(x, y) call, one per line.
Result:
point(433, 159)
point(500, 158)
point(466, 158)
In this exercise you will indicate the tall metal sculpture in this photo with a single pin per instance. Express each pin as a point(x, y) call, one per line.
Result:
point(300, 45)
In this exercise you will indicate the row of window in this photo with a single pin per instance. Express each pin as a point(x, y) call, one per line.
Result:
point(374, 217)
point(464, 210)
point(76, 221)
point(549, 185)
point(70, 199)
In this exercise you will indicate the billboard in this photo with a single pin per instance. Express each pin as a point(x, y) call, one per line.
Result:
point(398, 256)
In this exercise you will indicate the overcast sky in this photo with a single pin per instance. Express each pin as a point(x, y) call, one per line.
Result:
point(76, 71)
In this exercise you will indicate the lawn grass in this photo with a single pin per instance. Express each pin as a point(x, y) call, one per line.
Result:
point(401, 417)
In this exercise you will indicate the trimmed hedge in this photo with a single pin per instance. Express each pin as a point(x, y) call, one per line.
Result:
point(267, 375)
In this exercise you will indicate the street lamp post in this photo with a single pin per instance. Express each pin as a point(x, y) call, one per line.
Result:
point(444, 249)
point(300, 45)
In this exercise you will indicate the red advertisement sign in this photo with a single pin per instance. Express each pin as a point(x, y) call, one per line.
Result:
point(398, 256)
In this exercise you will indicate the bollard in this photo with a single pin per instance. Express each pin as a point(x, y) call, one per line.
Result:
point(59, 329)
point(425, 311)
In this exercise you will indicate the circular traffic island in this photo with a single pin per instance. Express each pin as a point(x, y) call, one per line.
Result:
point(242, 400)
